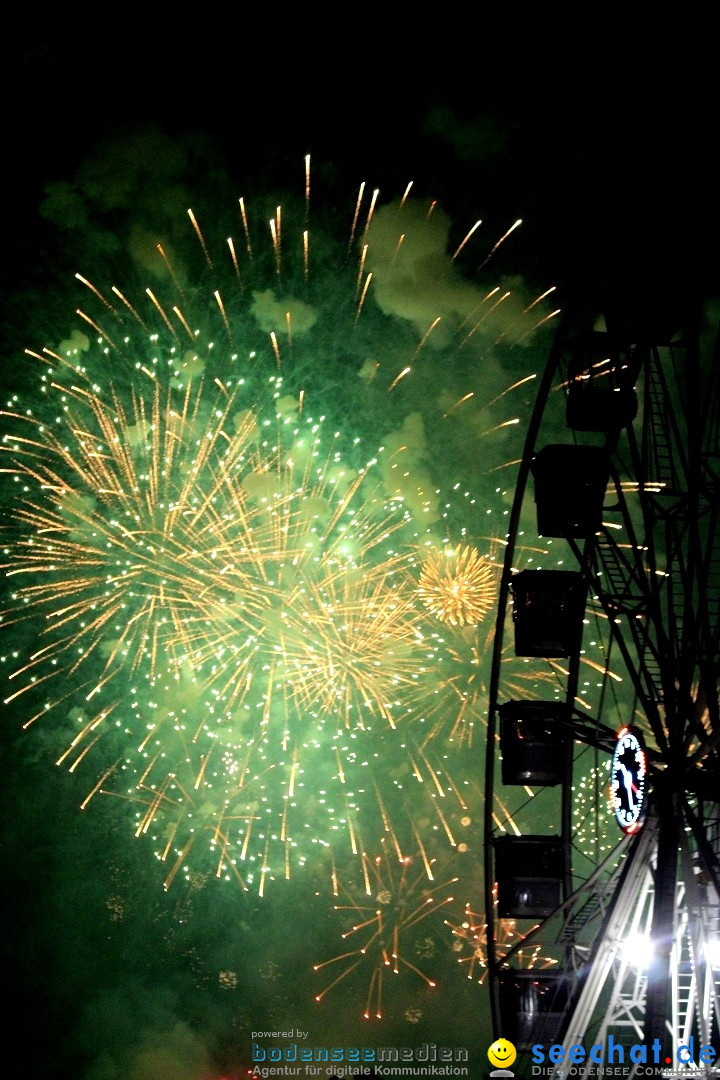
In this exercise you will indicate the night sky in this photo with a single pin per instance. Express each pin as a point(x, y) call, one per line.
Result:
point(109, 135)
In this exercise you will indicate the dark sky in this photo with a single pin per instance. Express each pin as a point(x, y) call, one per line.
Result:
point(608, 161)
point(604, 152)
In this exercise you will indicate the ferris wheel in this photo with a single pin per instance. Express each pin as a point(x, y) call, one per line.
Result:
point(602, 825)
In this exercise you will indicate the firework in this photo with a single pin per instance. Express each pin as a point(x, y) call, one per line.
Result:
point(249, 590)
point(593, 821)
point(470, 940)
point(458, 585)
point(221, 503)
point(451, 699)
point(168, 538)
point(401, 897)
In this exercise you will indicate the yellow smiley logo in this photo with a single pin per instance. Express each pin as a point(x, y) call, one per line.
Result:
point(502, 1053)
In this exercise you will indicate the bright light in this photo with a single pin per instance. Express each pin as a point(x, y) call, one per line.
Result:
point(638, 948)
point(712, 951)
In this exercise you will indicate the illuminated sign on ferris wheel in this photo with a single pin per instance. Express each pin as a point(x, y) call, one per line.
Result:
point(628, 780)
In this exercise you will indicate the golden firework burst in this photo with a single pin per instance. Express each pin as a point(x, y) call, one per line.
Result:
point(458, 585)
point(470, 942)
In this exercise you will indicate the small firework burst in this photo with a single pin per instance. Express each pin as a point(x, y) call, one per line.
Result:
point(470, 941)
point(228, 980)
point(394, 899)
point(593, 811)
point(458, 585)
